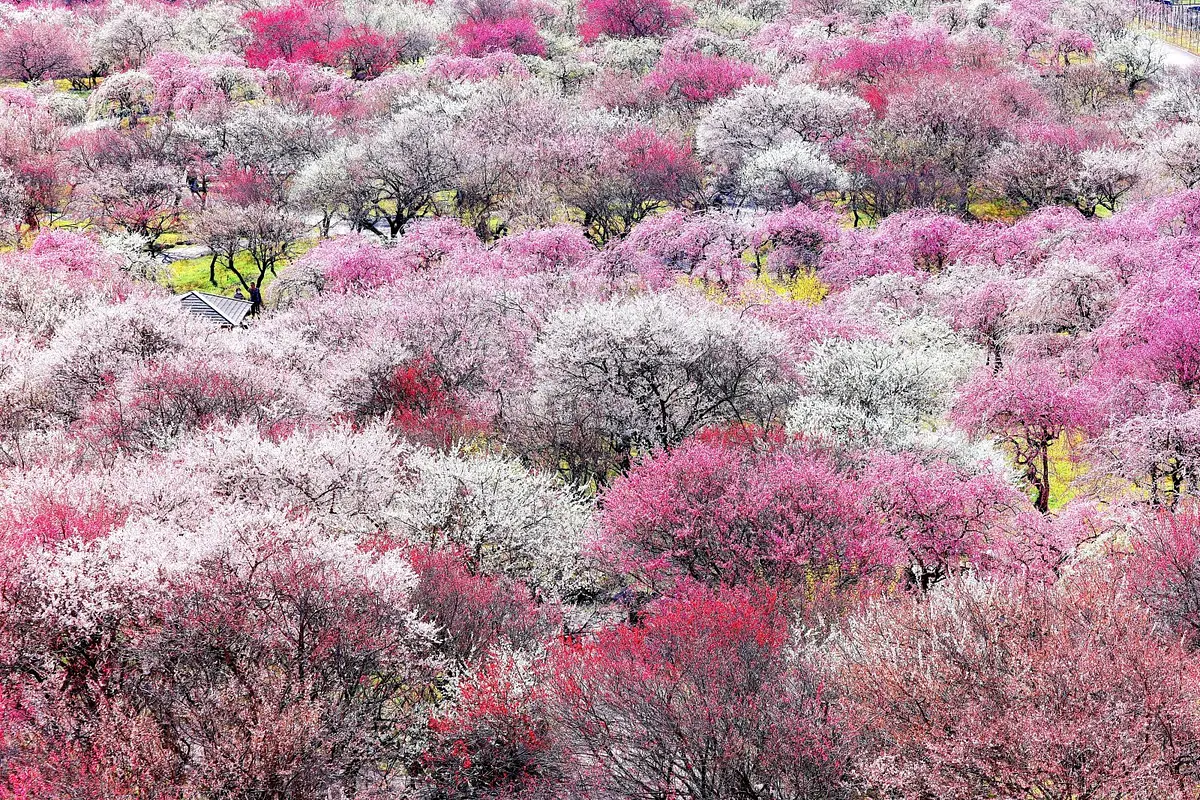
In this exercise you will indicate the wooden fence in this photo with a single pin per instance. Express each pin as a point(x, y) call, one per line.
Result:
point(1175, 21)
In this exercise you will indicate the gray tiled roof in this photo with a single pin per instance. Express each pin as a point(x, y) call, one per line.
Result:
point(215, 308)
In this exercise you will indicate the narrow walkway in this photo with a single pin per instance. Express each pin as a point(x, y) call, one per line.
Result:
point(1178, 57)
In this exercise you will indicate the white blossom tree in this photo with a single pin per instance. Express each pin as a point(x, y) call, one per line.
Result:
point(882, 391)
point(1179, 155)
point(507, 520)
point(649, 371)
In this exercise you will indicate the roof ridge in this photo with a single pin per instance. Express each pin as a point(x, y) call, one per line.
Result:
point(230, 310)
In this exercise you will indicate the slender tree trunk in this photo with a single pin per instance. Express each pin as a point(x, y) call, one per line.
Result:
point(1043, 489)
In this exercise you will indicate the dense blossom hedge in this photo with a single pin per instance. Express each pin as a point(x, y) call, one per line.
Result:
point(653, 400)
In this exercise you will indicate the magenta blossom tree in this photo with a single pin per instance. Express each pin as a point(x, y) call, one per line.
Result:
point(627, 20)
point(1027, 407)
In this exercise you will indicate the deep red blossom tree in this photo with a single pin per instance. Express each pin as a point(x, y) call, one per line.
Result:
point(298, 31)
point(242, 185)
point(698, 701)
point(364, 52)
point(416, 400)
point(50, 520)
point(664, 166)
point(495, 741)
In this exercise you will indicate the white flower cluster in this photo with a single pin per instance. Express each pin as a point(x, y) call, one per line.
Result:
point(653, 369)
point(882, 391)
point(81, 583)
point(768, 139)
point(511, 521)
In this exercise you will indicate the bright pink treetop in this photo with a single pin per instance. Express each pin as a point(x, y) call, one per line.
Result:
point(720, 512)
point(518, 35)
point(630, 19)
point(697, 78)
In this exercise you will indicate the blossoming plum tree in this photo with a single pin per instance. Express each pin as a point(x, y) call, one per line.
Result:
point(647, 373)
point(698, 699)
point(652, 399)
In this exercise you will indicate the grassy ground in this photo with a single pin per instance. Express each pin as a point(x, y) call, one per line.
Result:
point(1066, 472)
point(985, 210)
point(191, 274)
point(805, 287)
point(994, 210)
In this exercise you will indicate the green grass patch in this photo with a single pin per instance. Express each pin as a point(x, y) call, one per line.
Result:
point(1067, 473)
point(192, 274)
point(806, 287)
point(995, 211)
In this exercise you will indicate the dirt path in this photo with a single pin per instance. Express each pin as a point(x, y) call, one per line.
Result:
point(1178, 57)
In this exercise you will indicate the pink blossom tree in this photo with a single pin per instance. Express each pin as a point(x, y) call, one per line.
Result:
point(297, 31)
point(694, 79)
point(721, 512)
point(33, 51)
point(994, 688)
point(938, 516)
point(516, 35)
point(641, 171)
point(627, 20)
point(302, 697)
point(1027, 407)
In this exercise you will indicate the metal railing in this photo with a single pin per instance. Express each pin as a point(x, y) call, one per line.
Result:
point(1174, 21)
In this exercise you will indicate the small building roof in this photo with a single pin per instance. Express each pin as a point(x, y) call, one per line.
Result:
point(217, 309)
